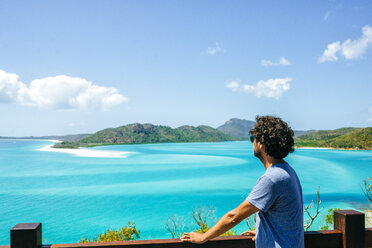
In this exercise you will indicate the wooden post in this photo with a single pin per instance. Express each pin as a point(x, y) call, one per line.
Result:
point(26, 235)
point(351, 224)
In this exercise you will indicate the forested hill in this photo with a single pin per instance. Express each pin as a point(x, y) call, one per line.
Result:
point(147, 133)
point(239, 128)
point(344, 138)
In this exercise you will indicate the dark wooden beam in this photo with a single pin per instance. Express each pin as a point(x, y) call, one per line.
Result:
point(368, 237)
point(351, 224)
point(328, 238)
point(220, 242)
point(26, 235)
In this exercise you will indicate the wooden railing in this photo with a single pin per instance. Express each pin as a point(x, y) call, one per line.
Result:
point(349, 232)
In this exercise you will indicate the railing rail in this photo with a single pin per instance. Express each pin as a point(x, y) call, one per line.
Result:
point(349, 232)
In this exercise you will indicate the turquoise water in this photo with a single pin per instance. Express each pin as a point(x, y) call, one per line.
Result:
point(77, 197)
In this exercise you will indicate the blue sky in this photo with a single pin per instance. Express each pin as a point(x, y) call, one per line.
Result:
point(80, 66)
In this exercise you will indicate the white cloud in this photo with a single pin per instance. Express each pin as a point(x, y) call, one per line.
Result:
point(356, 48)
point(370, 109)
point(349, 49)
point(330, 53)
point(271, 88)
point(216, 48)
point(233, 85)
point(9, 86)
point(369, 120)
point(282, 61)
point(59, 93)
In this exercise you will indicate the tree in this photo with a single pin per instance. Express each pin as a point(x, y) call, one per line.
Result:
point(251, 222)
point(128, 232)
point(329, 219)
point(175, 226)
point(368, 193)
point(368, 188)
point(308, 222)
point(200, 215)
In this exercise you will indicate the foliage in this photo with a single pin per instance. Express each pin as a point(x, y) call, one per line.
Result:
point(66, 144)
point(344, 138)
point(175, 226)
point(251, 222)
point(201, 216)
point(308, 222)
point(148, 133)
point(368, 193)
point(368, 188)
point(228, 233)
point(328, 221)
point(128, 232)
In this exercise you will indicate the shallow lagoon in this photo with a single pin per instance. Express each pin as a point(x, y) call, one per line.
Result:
point(76, 196)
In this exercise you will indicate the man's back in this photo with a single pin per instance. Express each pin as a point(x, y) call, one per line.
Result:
point(278, 194)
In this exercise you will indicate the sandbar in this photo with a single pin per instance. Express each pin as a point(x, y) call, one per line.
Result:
point(83, 152)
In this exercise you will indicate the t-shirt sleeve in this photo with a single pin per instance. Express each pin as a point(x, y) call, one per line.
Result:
point(263, 194)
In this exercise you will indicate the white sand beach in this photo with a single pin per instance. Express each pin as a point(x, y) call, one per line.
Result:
point(315, 148)
point(83, 152)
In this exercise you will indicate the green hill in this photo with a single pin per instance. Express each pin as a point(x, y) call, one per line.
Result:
point(344, 138)
point(147, 133)
point(239, 128)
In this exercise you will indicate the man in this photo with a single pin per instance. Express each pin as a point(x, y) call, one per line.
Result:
point(277, 195)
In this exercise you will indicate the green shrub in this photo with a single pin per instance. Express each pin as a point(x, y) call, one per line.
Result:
point(329, 219)
point(128, 232)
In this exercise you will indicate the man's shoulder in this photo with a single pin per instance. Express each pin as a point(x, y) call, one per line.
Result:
point(280, 172)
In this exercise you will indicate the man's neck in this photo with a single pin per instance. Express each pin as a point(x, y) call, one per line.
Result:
point(269, 161)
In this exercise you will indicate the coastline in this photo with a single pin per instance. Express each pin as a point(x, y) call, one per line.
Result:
point(315, 148)
point(331, 148)
point(296, 147)
point(83, 152)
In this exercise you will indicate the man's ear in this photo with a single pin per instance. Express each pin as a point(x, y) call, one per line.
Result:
point(261, 146)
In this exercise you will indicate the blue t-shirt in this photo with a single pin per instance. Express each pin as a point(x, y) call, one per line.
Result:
point(278, 195)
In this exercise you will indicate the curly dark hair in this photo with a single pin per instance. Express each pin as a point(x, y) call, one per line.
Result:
point(275, 135)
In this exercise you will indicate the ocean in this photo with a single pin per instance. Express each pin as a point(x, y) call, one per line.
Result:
point(83, 193)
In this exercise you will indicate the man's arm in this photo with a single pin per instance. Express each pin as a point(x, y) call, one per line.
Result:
point(228, 221)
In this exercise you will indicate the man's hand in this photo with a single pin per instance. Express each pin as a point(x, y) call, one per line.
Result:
point(193, 237)
point(250, 233)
